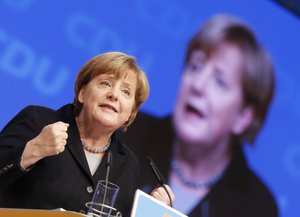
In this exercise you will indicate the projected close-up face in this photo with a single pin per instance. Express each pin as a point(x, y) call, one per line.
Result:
point(210, 102)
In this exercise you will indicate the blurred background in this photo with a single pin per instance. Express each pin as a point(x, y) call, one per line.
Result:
point(43, 44)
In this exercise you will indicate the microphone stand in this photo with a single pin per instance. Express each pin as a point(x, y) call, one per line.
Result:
point(108, 167)
point(159, 177)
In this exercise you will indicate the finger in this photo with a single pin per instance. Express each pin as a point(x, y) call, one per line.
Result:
point(60, 142)
point(161, 190)
point(62, 123)
point(161, 194)
point(158, 193)
point(64, 135)
point(170, 192)
point(157, 196)
point(161, 197)
point(60, 126)
point(60, 149)
point(59, 132)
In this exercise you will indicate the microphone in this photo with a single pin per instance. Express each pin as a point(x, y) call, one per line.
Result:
point(156, 171)
point(109, 162)
point(108, 167)
point(159, 177)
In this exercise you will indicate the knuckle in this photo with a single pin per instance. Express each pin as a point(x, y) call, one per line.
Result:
point(56, 141)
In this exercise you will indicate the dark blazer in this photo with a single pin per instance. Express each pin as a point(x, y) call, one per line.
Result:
point(62, 180)
point(239, 193)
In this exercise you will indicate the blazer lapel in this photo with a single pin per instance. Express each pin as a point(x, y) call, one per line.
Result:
point(119, 159)
point(66, 114)
point(75, 146)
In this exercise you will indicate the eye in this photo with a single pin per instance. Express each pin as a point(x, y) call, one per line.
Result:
point(195, 67)
point(221, 81)
point(105, 83)
point(126, 91)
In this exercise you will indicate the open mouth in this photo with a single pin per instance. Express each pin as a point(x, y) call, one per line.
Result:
point(192, 110)
point(109, 107)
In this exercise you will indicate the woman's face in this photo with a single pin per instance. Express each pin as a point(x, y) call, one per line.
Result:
point(210, 107)
point(108, 101)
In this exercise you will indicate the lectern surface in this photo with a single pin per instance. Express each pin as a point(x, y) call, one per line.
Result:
point(37, 213)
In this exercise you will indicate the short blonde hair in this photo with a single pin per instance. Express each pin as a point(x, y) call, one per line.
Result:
point(117, 63)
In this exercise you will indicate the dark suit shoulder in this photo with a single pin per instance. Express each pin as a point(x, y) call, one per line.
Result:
point(260, 195)
point(45, 114)
point(253, 198)
point(130, 153)
point(29, 114)
point(247, 183)
point(144, 127)
point(34, 110)
point(240, 193)
point(125, 150)
point(144, 120)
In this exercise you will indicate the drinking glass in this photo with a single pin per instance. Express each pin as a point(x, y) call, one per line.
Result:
point(102, 204)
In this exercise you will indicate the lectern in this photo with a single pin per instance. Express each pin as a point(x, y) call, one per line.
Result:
point(37, 213)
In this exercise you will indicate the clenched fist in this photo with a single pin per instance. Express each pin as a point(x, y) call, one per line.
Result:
point(51, 141)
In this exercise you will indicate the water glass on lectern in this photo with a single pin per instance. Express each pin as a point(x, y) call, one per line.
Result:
point(104, 199)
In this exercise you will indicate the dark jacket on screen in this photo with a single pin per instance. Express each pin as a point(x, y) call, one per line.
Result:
point(239, 193)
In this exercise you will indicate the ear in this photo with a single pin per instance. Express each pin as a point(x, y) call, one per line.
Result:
point(80, 95)
point(243, 120)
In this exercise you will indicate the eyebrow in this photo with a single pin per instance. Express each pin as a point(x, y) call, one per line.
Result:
point(111, 76)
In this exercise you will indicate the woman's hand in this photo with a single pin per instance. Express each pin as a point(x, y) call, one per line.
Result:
point(160, 194)
point(51, 141)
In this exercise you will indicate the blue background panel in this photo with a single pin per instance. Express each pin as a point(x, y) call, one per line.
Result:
point(43, 44)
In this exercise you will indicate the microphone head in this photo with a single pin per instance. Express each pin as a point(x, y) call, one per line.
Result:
point(150, 161)
point(156, 171)
point(109, 162)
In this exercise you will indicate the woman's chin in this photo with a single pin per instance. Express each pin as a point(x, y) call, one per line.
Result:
point(192, 136)
point(108, 123)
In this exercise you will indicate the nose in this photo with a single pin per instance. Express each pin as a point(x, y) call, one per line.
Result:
point(113, 94)
point(200, 81)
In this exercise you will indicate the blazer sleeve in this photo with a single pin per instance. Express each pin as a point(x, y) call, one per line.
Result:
point(13, 138)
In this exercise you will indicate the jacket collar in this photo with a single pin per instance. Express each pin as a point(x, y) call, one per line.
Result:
point(74, 145)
